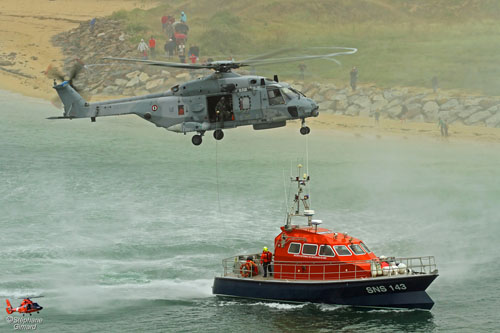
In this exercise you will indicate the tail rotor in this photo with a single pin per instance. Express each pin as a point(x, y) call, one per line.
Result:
point(9, 307)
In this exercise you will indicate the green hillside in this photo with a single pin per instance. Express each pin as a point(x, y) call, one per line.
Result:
point(400, 42)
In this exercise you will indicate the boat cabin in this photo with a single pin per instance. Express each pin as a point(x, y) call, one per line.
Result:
point(309, 252)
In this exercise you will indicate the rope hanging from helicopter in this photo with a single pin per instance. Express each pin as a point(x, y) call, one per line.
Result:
point(217, 169)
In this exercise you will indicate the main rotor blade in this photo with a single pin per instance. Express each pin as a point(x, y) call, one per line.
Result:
point(269, 54)
point(329, 56)
point(162, 63)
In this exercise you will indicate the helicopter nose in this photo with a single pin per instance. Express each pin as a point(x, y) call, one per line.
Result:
point(314, 109)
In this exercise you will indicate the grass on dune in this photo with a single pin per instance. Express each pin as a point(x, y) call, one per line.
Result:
point(453, 40)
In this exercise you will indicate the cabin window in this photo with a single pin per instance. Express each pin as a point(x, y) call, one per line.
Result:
point(275, 97)
point(294, 248)
point(367, 250)
point(326, 250)
point(342, 250)
point(245, 103)
point(309, 249)
point(356, 249)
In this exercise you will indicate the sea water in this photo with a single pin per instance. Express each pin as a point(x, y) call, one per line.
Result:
point(121, 226)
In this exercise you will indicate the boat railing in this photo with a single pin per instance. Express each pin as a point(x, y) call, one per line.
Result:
point(316, 270)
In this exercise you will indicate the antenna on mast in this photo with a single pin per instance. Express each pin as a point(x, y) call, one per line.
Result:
point(300, 206)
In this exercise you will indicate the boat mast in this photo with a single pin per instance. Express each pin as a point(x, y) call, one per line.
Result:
point(300, 199)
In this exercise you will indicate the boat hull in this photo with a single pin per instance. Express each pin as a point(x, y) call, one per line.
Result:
point(389, 292)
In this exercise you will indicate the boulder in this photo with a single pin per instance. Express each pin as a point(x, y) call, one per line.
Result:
point(154, 84)
point(486, 103)
point(340, 105)
point(468, 112)
point(143, 77)
point(394, 102)
point(471, 101)
point(340, 97)
point(318, 98)
point(379, 105)
point(121, 82)
point(430, 107)
point(110, 90)
point(133, 74)
point(133, 82)
point(182, 76)
point(377, 98)
point(327, 106)
point(414, 99)
point(394, 112)
point(414, 109)
point(352, 110)
point(477, 118)
point(494, 108)
point(450, 104)
point(493, 121)
point(363, 102)
point(330, 94)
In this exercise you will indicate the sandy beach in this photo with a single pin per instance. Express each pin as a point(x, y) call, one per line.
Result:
point(26, 28)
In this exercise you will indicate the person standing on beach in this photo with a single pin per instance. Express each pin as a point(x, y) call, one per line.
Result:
point(164, 19)
point(183, 17)
point(354, 78)
point(443, 125)
point(143, 48)
point(404, 113)
point(170, 48)
point(377, 116)
point(302, 70)
point(152, 46)
point(435, 84)
point(92, 24)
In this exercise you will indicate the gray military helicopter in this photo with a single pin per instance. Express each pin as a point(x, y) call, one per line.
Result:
point(218, 101)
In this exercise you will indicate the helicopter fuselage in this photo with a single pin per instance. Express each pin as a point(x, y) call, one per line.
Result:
point(195, 106)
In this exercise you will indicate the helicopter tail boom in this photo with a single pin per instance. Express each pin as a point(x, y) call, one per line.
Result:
point(74, 104)
point(9, 307)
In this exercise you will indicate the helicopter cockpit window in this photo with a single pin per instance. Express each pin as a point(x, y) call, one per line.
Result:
point(297, 92)
point(275, 97)
point(290, 94)
point(175, 88)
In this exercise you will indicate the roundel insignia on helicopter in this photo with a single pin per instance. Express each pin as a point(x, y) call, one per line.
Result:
point(154, 107)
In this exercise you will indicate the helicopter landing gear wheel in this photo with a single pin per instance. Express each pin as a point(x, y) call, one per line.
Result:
point(218, 134)
point(305, 130)
point(196, 140)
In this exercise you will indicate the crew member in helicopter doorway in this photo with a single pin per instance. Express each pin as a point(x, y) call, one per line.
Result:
point(265, 260)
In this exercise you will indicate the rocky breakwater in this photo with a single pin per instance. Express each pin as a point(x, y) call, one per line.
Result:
point(410, 104)
point(111, 78)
